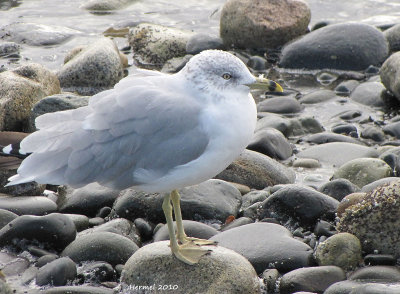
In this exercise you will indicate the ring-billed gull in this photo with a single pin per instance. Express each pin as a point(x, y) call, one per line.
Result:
point(154, 132)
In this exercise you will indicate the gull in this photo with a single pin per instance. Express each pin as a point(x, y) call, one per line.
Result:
point(154, 132)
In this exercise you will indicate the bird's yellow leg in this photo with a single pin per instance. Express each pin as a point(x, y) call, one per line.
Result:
point(189, 253)
point(181, 235)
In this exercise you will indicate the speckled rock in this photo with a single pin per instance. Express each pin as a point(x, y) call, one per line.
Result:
point(369, 93)
point(101, 246)
point(276, 247)
point(374, 219)
point(346, 46)
point(57, 272)
point(20, 89)
point(311, 279)
point(92, 69)
point(34, 34)
point(263, 24)
point(257, 171)
point(154, 44)
point(342, 250)
point(271, 142)
point(223, 271)
point(53, 103)
point(106, 5)
point(390, 74)
point(54, 231)
point(348, 201)
point(362, 171)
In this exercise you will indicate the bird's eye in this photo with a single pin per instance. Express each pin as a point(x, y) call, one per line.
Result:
point(226, 76)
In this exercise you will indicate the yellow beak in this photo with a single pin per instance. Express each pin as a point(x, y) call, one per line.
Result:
point(265, 84)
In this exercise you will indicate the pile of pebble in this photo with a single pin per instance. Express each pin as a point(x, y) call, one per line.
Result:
point(311, 206)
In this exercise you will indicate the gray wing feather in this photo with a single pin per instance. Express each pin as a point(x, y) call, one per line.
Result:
point(122, 137)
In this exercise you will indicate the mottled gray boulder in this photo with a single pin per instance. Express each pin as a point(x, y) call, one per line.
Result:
point(36, 34)
point(390, 74)
point(20, 89)
point(345, 46)
point(369, 93)
point(393, 37)
point(263, 24)
point(284, 105)
point(154, 44)
point(342, 250)
point(93, 68)
point(105, 5)
point(257, 171)
point(374, 220)
point(363, 171)
point(222, 271)
point(53, 103)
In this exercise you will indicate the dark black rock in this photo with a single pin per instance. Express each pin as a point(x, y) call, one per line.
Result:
point(257, 63)
point(280, 105)
point(101, 246)
point(354, 46)
point(210, 200)
point(271, 142)
point(350, 114)
point(87, 200)
point(104, 212)
point(312, 279)
point(338, 188)
point(254, 197)
point(54, 231)
point(192, 229)
point(379, 259)
point(373, 133)
point(299, 203)
point(377, 273)
point(200, 42)
point(327, 137)
point(345, 129)
point(145, 228)
point(32, 205)
point(96, 272)
point(393, 129)
point(96, 221)
point(270, 278)
point(346, 87)
point(275, 246)
point(324, 228)
point(6, 216)
point(57, 272)
point(38, 251)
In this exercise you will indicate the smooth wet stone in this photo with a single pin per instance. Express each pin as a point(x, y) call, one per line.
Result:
point(91, 69)
point(257, 171)
point(374, 219)
point(78, 290)
point(200, 42)
point(101, 246)
point(337, 153)
point(263, 24)
point(45, 259)
point(31, 205)
point(81, 221)
point(53, 231)
point(317, 96)
point(312, 279)
point(96, 272)
point(6, 216)
point(87, 200)
point(306, 163)
point(154, 44)
point(377, 273)
point(254, 197)
point(328, 137)
point(210, 200)
point(282, 105)
point(390, 74)
point(363, 287)
point(192, 229)
point(271, 142)
point(393, 37)
point(106, 5)
point(257, 62)
point(380, 182)
point(276, 248)
point(346, 129)
point(392, 129)
point(145, 228)
point(241, 221)
point(299, 203)
point(346, 87)
point(221, 271)
point(342, 250)
point(379, 259)
point(374, 133)
point(118, 226)
point(36, 34)
point(20, 89)
point(338, 188)
point(345, 46)
point(57, 272)
point(363, 171)
point(369, 93)
point(53, 103)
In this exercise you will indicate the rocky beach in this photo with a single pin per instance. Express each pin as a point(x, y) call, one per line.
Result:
point(311, 206)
